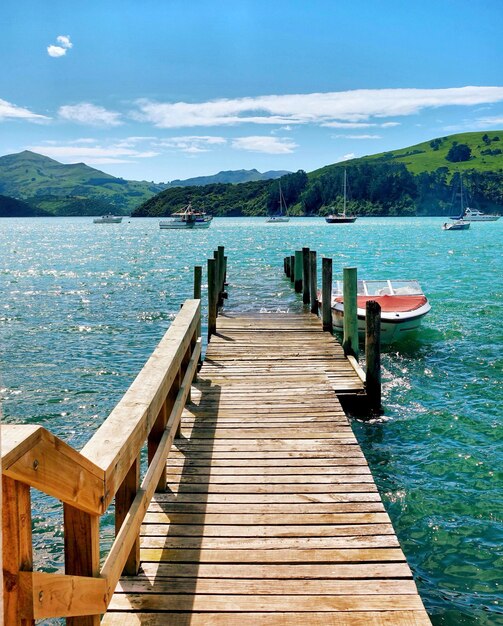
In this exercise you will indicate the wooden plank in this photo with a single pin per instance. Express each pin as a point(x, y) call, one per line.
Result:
point(355, 618)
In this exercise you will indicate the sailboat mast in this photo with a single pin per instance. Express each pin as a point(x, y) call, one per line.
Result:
point(344, 206)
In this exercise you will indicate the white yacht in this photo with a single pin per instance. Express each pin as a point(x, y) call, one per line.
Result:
point(108, 219)
point(474, 215)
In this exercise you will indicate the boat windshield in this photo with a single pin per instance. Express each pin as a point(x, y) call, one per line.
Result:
point(382, 288)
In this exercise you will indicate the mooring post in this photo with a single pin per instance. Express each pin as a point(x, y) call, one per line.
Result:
point(292, 268)
point(305, 276)
point(373, 355)
point(212, 298)
point(326, 294)
point(298, 271)
point(287, 266)
point(313, 282)
point(350, 320)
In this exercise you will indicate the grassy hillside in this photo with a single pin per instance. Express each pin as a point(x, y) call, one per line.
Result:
point(419, 180)
point(486, 155)
point(69, 189)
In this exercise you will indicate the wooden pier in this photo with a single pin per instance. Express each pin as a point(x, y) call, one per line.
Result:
point(265, 511)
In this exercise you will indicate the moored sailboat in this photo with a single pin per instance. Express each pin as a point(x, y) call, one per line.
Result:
point(341, 218)
point(282, 215)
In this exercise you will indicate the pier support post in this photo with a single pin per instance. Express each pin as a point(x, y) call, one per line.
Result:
point(298, 271)
point(212, 298)
point(350, 321)
point(313, 281)
point(292, 268)
point(326, 294)
point(305, 276)
point(373, 355)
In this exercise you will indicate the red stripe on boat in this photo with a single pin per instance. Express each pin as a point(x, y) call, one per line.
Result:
point(400, 304)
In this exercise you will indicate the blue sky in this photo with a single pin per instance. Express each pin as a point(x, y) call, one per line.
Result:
point(165, 89)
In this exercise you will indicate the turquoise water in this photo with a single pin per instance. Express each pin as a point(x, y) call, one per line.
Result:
point(83, 305)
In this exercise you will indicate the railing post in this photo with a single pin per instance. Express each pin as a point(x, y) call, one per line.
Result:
point(82, 552)
point(350, 319)
point(123, 500)
point(326, 294)
point(373, 355)
point(298, 271)
point(292, 268)
point(313, 286)
point(305, 276)
point(212, 298)
point(17, 550)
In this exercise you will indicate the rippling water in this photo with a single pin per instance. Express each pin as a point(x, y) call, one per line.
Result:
point(83, 305)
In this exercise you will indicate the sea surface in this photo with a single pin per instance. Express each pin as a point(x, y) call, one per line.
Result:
point(82, 306)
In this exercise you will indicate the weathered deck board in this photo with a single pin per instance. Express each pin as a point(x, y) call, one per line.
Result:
point(272, 516)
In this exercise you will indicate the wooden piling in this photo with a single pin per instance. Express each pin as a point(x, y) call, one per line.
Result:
point(326, 294)
point(373, 355)
point(292, 268)
point(212, 298)
point(298, 271)
point(305, 276)
point(350, 321)
point(313, 281)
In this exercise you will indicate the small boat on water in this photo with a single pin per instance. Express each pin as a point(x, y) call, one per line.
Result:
point(341, 218)
point(188, 218)
point(282, 215)
point(474, 215)
point(108, 219)
point(458, 223)
point(403, 306)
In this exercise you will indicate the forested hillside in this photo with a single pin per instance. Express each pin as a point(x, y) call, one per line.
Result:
point(420, 180)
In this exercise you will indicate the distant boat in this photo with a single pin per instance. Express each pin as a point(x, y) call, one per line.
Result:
point(108, 219)
point(188, 218)
point(458, 222)
point(281, 216)
point(473, 215)
point(341, 218)
point(403, 306)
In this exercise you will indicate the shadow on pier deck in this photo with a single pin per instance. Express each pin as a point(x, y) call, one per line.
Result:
point(271, 516)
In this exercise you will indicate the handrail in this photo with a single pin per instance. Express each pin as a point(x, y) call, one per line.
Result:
point(87, 481)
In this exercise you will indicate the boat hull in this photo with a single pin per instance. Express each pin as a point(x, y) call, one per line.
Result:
point(339, 220)
point(456, 225)
point(391, 329)
point(184, 225)
point(275, 220)
point(107, 220)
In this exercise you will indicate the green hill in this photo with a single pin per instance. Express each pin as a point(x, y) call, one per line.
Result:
point(419, 180)
point(10, 207)
point(69, 189)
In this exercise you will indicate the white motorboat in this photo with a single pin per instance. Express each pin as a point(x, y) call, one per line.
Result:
point(341, 218)
point(282, 215)
point(456, 225)
point(403, 306)
point(108, 219)
point(188, 218)
point(474, 215)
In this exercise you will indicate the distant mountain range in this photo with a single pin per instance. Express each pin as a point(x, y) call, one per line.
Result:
point(418, 180)
point(48, 187)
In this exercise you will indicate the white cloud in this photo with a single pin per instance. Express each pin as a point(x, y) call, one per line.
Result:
point(358, 106)
point(12, 111)
point(56, 51)
point(90, 114)
point(64, 40)
point(64, 45)
point(269, 145)
point(485, 122)
point(192, 144)
point(347, 157)
point(92, 155)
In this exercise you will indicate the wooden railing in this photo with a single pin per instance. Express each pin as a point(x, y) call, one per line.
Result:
point(86, 482)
